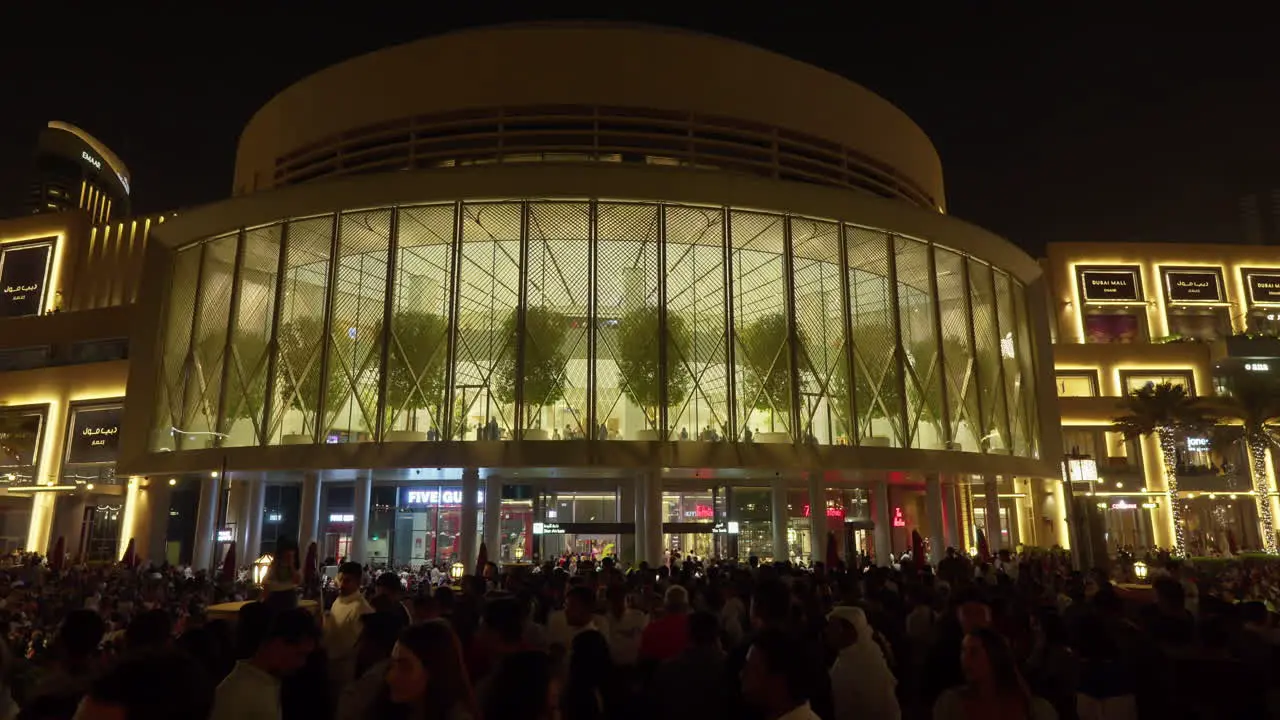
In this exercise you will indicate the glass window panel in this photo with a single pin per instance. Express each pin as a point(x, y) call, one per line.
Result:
point(208, 345)
point(922, 370)
point(1137, 381)
point(246, 391)
point(820, 330)
point(1006, 316)
point(762, 351)
point(995, 423)
point(753, 509)
point(1026, 363)
point(1077, 385)
point(488, 295)
point(627, 314)
point(957, 349)
point(556, 319)
point(696, 308)
point(418, 350)
point(355, 335)
point(877, 395)
point(175, 348)
point(301, 333)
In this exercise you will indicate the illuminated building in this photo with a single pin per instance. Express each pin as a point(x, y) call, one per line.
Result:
point(1125, 314)
point(75, 171)
point(626, 307)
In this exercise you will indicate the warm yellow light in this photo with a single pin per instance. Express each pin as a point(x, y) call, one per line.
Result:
point(173, 481)
point(456, 571)
point(213, 474)
point(88, 486)
point(260, 568)
point(1140, 570)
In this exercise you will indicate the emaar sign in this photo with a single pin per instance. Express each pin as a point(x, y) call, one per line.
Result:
point(95, 162)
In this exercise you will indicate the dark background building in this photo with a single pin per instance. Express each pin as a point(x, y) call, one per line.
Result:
point(73, 170)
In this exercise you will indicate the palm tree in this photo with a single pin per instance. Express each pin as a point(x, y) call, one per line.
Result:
point(1164, 410)
point(1255, 401)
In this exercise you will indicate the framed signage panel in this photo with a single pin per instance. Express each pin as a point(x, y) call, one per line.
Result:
point(1193, 285)
point(1110, 284)
point(24, 277)
point(1263, 285)
point(20, 436)
point(94, 433)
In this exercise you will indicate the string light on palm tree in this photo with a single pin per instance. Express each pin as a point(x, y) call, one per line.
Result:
point(1255, 401)
point(1164, 410)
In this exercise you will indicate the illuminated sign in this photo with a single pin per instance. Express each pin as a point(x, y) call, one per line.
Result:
point(1119, 284)
point(1193, 286)
point(275, 517)
point(729, 528)
point(20, 437)
point(1264, 286)
point(1123, 505)
point(446, 496)
point(1257, 367)
point(95, 162)
point(95, 434)
point(23, 272)
point(547, 529)
point(701, 512)
point(1150, 505)
point(898, 520)
point(832, 512)
point(342, 518)
point(226, 535)
point(1197, 443)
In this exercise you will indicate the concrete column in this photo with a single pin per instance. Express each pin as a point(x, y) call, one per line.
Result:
point(951, 504)
point(991, 500)
point(880, 510)
point(309, 513)
point(41, 525)
point(933, 510)
point(654, 548)
point(639, 495)
point(627, 514)
point(817, 518)
point(360, 523)
point(244, 521)
point(159, 500)
point(257, 503)
point(467, 545)
point(206, 519)
point(778, 501)
point(493, 517)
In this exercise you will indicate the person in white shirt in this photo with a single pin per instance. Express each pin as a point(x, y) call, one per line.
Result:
point(862, 686)
point(578, 615)
point(342, 626)
point(777, 677)
point(623, 626)
point(252, 690)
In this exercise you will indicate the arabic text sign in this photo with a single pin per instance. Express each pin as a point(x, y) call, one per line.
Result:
point(22, 278)
point(1193, 285)
point(95, 435)
point(1111, 285)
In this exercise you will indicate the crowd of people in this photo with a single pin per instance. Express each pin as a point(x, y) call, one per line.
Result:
point(1022, 636)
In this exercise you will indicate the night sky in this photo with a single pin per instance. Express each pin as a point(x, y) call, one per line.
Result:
point(1067, 131)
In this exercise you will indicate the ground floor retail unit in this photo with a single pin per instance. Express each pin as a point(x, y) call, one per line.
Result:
point(414, 517)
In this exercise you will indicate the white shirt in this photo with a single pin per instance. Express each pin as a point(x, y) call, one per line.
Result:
point(343, 625)
point(862, 685)
point(801, 712)
point(247, 693)
point(560, 633)
point(623, 634)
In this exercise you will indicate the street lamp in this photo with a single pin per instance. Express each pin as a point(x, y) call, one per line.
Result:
point(456, 571)
point(1076, 468)
point(1140, 571)
point(260, 568)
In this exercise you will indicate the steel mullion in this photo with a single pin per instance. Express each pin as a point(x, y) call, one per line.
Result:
point(789, 303)
point(326, 331)
point(522, 309)
point(191, 334)
point(233, 315)
point(899, 353)
point(273, 345)
point(663, 371)
point(451, 349)
point(942, 360)
point(1004, 388)
point(393, 246)
point(846, 290)
point(973, 350)
point(726, 255)
point(593, 281)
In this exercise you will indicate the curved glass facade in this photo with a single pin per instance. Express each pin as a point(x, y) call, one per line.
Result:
point(591, 320)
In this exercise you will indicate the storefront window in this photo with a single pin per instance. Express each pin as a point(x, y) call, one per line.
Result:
point(102, 533)
point(280, 517)
point(1137, 381)
point(688, 519)
point(1102, 327)
point(1077, 385)
point(587, 523)
point(1207, 324)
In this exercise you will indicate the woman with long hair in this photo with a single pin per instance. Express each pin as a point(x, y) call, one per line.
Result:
point(426, 679)
point(993, 687)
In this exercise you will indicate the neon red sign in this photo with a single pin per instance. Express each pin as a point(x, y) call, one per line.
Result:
point(704, 511)
point(832, 512)
point(898, 520)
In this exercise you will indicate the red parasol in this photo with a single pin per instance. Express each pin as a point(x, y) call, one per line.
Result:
point(309, 570)
point(833, 553)
point(917, 549)
point(130, 557)
point(482, 559)
point(984, 549)
point(59, 554)
point(228, 574)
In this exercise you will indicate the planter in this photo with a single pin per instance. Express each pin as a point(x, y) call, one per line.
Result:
point(874, 441)
point(536, 434)
point(295, 439)
point(772, 438)
point(405, 436)
point(645, 435)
